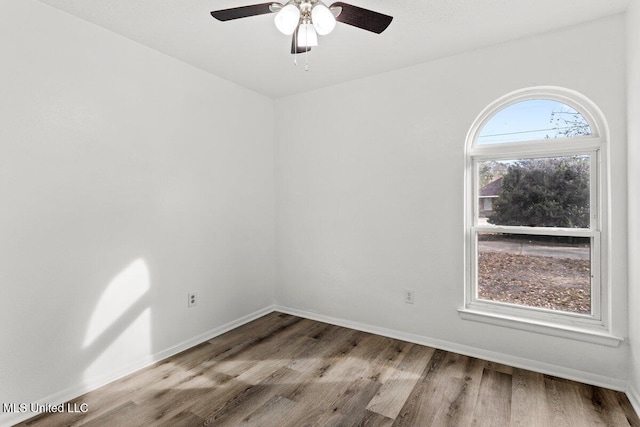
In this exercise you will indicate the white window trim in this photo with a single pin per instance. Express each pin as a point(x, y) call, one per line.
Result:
point(596, 327)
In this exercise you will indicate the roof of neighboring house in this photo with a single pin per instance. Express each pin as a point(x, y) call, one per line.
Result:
point(491, 189)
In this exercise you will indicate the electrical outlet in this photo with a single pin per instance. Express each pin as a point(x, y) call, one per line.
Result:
point(192, 299)
point(408, 296)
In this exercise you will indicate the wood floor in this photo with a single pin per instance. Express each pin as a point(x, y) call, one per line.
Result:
point(281, 370)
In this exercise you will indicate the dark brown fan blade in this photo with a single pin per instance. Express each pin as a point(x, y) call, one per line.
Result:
point(297, 49)
point(362, 18)
point(243, 11)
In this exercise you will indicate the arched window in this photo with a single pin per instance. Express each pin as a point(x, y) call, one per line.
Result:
point(535, 226)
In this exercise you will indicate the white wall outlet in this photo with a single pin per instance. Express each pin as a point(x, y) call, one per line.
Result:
point(192, 299)
point(408, 296)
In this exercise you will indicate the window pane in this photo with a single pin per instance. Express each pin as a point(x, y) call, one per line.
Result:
point(533, 120)
point(535, 271)
point(547, 192)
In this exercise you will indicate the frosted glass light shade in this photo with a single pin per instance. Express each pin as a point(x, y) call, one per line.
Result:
point(287, 19)
point(323, 20)
point(307, 36)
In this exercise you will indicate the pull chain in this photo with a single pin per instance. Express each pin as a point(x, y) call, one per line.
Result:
point(306, 49)
point(295, 48)
point(306, 56)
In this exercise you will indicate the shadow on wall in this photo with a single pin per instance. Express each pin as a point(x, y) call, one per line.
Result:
point(121, 320)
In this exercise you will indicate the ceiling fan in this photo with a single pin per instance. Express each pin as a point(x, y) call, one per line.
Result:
point(306, 19)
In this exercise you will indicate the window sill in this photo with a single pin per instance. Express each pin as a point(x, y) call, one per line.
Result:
point(540, 327)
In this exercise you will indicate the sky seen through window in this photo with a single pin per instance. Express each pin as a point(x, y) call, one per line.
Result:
point(531, 120)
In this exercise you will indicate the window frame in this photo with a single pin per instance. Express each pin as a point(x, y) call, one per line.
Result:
point(593, 327)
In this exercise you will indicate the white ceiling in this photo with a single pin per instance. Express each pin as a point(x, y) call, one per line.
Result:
point(252, 53)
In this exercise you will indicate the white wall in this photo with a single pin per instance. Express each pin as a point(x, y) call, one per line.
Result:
point(370, 193)
point(127, 179)
point(633, 114)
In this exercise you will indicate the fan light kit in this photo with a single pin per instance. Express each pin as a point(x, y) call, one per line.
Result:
point(306, 19)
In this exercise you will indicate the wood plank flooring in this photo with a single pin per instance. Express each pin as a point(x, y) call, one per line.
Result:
point(282, 370)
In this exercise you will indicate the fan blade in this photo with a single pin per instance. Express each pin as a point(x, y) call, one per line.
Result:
point(362, 18)
point(244, 11)
point(297, 49)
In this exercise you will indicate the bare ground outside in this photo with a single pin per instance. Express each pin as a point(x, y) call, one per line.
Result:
point(555, 282)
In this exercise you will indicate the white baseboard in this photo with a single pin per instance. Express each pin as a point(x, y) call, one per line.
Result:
point(9, 419)
point(492, 356)
point(634, 398)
